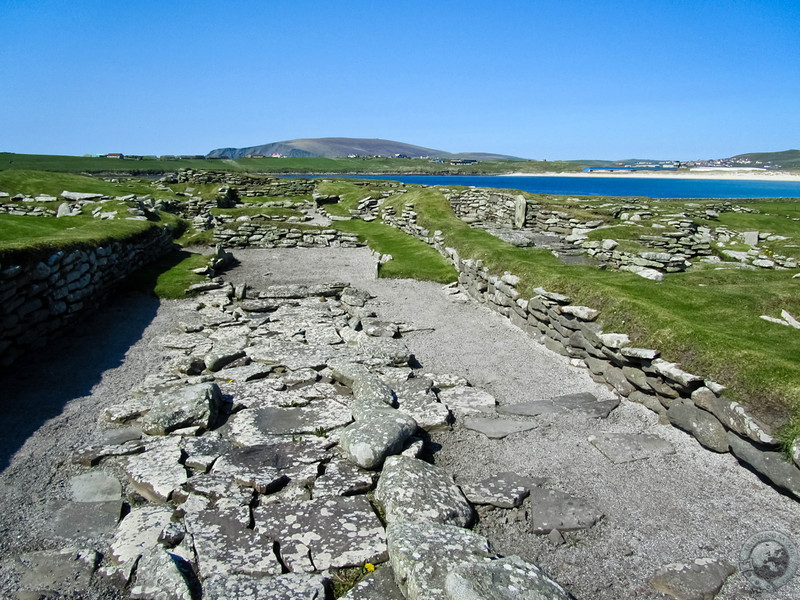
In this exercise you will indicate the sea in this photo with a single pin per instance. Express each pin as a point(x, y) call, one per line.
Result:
point(649, 187)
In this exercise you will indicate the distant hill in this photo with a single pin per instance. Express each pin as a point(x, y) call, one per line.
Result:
point(788, 159)
point(338, 147)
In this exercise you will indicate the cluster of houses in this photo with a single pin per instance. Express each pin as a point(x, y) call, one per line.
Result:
point(120, 156)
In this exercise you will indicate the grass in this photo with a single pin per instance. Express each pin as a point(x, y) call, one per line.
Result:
point(411, 258)
point(41, 182)
point(27, 238)
point(169, 276)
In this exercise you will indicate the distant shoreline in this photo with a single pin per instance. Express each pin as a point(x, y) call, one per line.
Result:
point(736, 175)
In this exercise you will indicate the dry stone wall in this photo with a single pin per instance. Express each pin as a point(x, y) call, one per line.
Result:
point(257, 235)
point(258, 185)
point(41, 299)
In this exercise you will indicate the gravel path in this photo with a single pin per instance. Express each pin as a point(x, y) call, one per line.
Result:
point(679, 507)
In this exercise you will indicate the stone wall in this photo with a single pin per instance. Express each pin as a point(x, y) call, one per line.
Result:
point(256, 235)
point(41, 299)
point(257, 185)
point(481, 207)
point(691, 402)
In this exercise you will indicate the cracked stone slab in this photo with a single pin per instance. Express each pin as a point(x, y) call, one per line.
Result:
point(263, 467)
point(137, 533)
point(467, 399)
point(225, 545)
point(377, 433)
point(201, 452)
point(316, 416)
point(192, 405)
point(412, 489)
point(627, 447)
point(587, 404)
point(162, 575)
point(700, 579)
point(300, 377)
point(342, 478)
point(157, 472)
point(427, 411)
point(338, 532)
point(47, 571)
point(246, 373)
point(217, 486)
point(504, 490)
point(292, 586)
point(496, 429)
point(261, 393)
point(552, 509)
point(508, 578)
point(378, 585)
point(422, 554)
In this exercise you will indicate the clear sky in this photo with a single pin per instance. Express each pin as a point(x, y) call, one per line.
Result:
point(555, 79)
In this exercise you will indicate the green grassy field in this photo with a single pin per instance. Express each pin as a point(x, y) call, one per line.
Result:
point(79, 164)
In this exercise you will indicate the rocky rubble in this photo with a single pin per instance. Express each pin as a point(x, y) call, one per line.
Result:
point(276, 451)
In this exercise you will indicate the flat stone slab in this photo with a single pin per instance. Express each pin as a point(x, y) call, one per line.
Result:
point(627, 447)
point(202, 452)
point(496, 429)
point(552, 509)
point(337, 532)
point(137, 533)
point(264, 467)
point(504, 490)
point(95, 486)
point(582, 403)
point(316, 417)
point(423, 553)
point(48, 570)
point(427, 411)
point(246, 373)
point(342, 478)
point(226, 546)
point(292, 586)
point(157, 472)
point(84, 520)
point(160, 576)
point(467, 399)
point(699, 579)
point(508, 578)
point(531, 409)
point(183, 407)
point(412, 489)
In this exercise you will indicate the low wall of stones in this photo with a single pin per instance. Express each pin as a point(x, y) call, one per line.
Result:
point(691, 402)
point(482, 207)
point(41, 299)
point(11, 208)
point(254, 235)
point(257, 185)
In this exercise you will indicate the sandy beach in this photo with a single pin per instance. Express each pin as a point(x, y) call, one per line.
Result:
point(732, 174)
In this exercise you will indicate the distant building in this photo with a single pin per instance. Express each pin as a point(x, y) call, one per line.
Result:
point(463, 161)
point(115, 155)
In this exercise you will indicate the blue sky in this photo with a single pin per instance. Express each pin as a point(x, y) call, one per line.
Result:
point(546, 80)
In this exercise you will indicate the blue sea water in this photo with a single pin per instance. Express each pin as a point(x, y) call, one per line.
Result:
point(655, 187)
